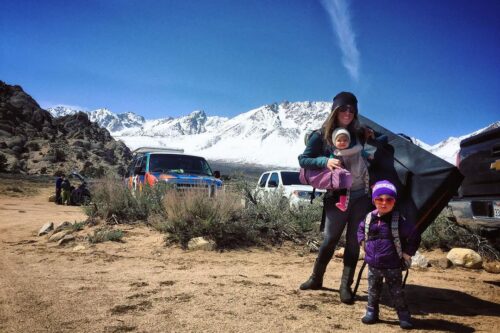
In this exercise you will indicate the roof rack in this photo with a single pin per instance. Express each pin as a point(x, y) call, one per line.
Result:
point(158, 150)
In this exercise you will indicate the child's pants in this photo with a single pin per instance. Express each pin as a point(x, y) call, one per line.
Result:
point(393, 278)
point(65, 196)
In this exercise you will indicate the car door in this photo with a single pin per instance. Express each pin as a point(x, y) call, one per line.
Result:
point(273, 183)
point(261, 185)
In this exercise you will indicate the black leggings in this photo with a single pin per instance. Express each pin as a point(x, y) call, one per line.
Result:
point(335, 222)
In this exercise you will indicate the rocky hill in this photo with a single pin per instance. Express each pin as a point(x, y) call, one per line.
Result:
point(32, 141)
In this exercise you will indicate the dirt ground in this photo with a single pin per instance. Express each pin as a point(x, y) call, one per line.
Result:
point(141, 285)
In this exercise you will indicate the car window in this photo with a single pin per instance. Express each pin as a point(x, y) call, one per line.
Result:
point(290, 178)
point(263, 180)
point(274, 178)
point(179, 164)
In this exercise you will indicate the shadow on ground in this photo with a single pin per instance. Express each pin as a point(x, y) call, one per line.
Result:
point(424, 300)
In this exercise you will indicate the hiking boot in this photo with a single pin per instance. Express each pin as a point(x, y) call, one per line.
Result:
point(315, 281)
point(405, 320)
point(371, 315)
point(346, 295)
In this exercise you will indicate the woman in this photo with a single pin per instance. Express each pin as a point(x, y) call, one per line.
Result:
point(318, 154)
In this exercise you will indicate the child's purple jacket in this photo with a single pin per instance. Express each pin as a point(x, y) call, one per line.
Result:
point(380, 252)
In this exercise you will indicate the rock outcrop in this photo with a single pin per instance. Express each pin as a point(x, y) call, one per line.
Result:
point(33, 142)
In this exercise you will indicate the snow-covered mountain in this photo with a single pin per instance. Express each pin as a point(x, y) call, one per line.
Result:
point(105, 118)
point(449, 148)
point(269, 135)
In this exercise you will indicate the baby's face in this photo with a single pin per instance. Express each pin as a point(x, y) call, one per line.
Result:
point(342, 142)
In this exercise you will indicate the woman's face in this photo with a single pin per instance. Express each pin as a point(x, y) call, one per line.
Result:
point(345, 115)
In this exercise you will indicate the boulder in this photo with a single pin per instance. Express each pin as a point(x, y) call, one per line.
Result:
point(47, 227)
point(465, 258)
point(418, 260)
point(492, 266)
point(66, 239)
point(200, 243)
point(58, 236)
point(339, 253)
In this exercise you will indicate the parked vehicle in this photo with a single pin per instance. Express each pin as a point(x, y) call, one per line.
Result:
point(288, 184)
point(478, 200)
point(184, 172)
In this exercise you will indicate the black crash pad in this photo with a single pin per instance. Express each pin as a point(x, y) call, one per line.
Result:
point(424, 181)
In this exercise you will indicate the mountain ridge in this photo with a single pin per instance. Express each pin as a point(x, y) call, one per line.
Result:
point(273, 133)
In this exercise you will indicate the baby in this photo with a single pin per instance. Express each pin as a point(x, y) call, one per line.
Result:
point(342, 140)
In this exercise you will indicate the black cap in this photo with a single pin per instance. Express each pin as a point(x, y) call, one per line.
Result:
point(345, 98)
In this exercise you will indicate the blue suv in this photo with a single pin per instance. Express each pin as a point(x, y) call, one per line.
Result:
point(172, 166)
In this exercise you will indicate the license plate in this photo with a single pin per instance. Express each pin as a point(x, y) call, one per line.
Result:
point(496, 209)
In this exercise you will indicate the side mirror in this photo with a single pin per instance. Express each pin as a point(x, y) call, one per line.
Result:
point(217, 174)
point(272, 183)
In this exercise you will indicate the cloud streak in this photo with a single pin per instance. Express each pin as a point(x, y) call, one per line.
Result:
point(338, 11)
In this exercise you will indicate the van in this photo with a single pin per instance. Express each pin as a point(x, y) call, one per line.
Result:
point(152, 165)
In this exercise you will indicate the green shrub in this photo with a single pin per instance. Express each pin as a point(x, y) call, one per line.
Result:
point(113, 200)
point(230, 224)
point(105, 234)
point(194, 214)
point(444, 233)
point(77, 226)
point(277, 221)
point(234, 218)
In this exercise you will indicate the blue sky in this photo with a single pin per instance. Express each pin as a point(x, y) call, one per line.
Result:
point(429, 69)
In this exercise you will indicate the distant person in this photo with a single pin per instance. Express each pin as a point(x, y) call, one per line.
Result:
point(66, 191)
point(350, 158)
point(317, 155)
point(389, 242)
point(58, 189)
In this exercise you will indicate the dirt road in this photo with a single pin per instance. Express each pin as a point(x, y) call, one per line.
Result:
point(142, 286)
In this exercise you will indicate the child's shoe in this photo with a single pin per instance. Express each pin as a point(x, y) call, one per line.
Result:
point(405, 320)
point(371, 315)
point(342, 204)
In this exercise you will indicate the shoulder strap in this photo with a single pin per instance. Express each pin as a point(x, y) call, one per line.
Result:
point(368, 220)
point(395, 233)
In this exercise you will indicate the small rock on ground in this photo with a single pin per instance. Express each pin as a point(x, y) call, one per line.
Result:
point(46, 228)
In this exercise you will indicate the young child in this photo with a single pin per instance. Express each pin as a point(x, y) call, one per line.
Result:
point(341, 140)
point(382, 254)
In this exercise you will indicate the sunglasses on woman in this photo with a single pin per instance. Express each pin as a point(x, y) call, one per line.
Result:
point(389, 200)
point(347, 108)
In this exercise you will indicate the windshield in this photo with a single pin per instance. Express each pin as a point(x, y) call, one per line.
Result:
point(290, 178)
point(179, 164)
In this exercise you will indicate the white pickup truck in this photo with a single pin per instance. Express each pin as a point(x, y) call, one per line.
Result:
point(287, 183)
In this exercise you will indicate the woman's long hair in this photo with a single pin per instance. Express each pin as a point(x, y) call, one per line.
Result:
point(331, 123)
